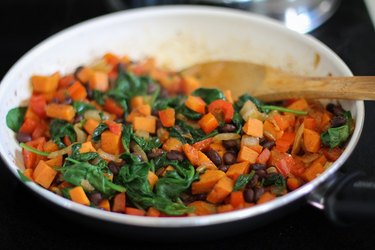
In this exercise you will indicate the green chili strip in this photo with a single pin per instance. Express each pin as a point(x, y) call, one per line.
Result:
point(33, 150)
point(282, 109)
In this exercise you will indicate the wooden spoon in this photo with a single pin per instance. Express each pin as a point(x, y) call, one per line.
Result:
point(270, 84)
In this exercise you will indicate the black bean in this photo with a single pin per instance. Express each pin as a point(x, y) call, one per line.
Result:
point(335, 109)
point(155, 152)
point(95, 198)
point(261, 173)
point(267, 144)
point(258, 166)
point(258, 192)
point(338, 121)
point(223, 168)
point(158, 124)
point(113, 167)
point(230, 144)
point(155, 112)
point(175, 155)
point(227, 128)
point(76, 72)
point(68, 100)
point(151, 88)
point(253, 182)
point(163, 93)
point(201, 197)
point(88, 90)
point(214, 157)
point(187, 198)
point(23, 137)
point(229, 158)
point(248, 195)
point(77, 118)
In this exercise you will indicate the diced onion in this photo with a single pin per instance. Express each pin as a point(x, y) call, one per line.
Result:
point(87, 186)
point(107, 156)
point(81, 135)
point(61, 152)
point(142, 133)
point(248, 140)
point(298, 140)
point(138, 150)
point(95, 114)
point(249, 110)
point(226, 137)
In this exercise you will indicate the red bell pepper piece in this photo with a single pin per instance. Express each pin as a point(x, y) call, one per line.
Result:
point(223, 110)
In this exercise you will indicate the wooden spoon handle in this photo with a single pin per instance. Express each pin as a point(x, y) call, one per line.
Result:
point(355, 88)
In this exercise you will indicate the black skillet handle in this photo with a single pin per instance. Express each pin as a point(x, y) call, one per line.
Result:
point(351, 199)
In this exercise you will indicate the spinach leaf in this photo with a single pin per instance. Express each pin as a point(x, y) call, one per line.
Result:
point(274, 179)
point(23, 177)
point(82, 107)
point(85, 157)
point(242, 180)
point(263, 107)
point(98, 131)
point(334, 137)
point(190, 114)
point(127, 134)
point(246, 97)
point(147, 144)
point(209, 95)
point(187, 134)
point(177, 181)
point(130, 158)
point(60, 128)
point(237, 121)
point(15, 117)
point(172, 102)
point(138, 189)
point(98, 96)
point(81, 171)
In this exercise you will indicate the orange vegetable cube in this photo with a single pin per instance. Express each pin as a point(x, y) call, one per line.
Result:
point(221, 190)
point(237, 169)
point(110, 142)
point(202, 208)
point(208, 123)
point(105, 205)
point(265, 197)
point(77, 91)
point(300, 104)
point(237, 199)
point(172, 144)
point(313, 171)
point(55, 162)
point(60, 111)
point(147, 124)
point(77, 194)
point(134, 211)
point(191, 153)
point(44, 174)
point(152, 178)
point(136, 101)
point(311, 140)
point(253, 127)
point(45, 84)
point(84, 74)
point(167, 117)
point(119, 203)
point(207, 181)
point(189, 84)
point(90, 125)
point(153, 212)
point(247, 154)
point(87, 147)
point(99, 80)
point(196, 104)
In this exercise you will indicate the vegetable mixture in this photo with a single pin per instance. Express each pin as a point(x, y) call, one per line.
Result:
point(129, 137)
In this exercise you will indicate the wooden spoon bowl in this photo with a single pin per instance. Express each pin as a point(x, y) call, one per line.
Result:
point(270, 84)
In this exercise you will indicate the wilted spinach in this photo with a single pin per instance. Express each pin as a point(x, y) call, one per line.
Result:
point(15, 117)
point(209, 95)
point(334, 137)
point(98, 132)
point(59, 129)
point(82, 107)
point(242, 180)
point(81, 171)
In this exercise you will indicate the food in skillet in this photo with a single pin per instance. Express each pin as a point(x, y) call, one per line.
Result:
point(132, 138)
